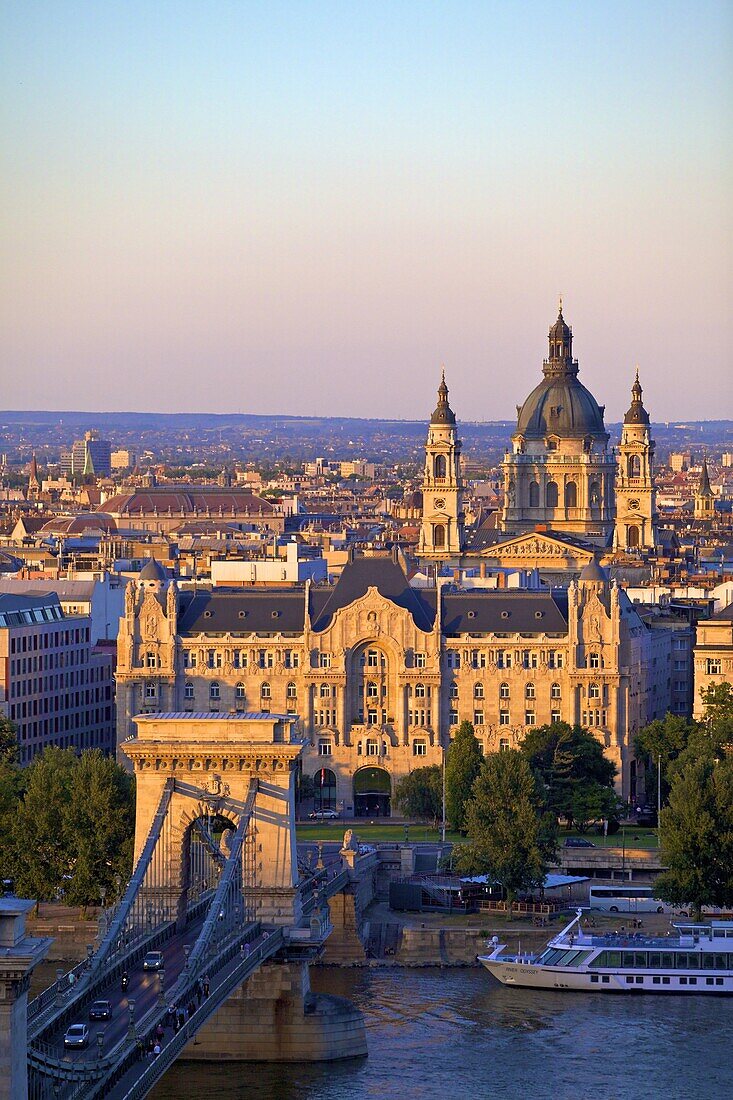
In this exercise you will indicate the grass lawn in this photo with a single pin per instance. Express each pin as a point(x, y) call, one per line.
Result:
point(372, 833)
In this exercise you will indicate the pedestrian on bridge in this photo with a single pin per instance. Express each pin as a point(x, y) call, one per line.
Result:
point(206, 986)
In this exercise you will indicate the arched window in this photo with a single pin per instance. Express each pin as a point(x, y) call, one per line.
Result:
point(439, 466)
point(555, 692)
point(503, 691)
point(265, 691)
point(291, 691)
point(534, 494)
point(372, 691)
point(478, 691)
point(571, 495)
point(634, 466)
point(325, 691)
point(239, 691)
point(529, 691)
point(551, 494)
point(594, 691)
point(595, 493)
point(453, 690)
point(188, 690)
point(438, 536)
point(151, 661)
point(419, 691)
point(632, 537)
point(214, 690)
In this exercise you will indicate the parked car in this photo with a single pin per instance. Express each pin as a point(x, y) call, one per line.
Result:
point(77, 1037)
point(324, 815)
point(100, 1010)
point(578, 842)
point(153, 961)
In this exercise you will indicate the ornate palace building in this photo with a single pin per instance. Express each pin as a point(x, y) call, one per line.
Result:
point(380, 674)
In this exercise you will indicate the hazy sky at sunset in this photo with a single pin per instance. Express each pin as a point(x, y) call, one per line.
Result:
point(308, 207)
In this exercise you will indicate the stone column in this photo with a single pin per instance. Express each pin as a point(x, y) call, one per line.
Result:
point(19, 955)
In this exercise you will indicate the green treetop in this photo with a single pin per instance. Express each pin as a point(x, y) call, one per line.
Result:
point(420, 794)
point(576, 774)
point(463, 763)
point(511, 837)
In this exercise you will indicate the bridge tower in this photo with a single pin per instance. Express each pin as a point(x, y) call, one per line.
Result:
point(211, 760)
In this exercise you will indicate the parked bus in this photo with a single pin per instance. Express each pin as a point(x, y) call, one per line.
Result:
point(625, 898)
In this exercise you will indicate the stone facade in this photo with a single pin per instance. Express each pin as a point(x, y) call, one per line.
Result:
point(713, 654)
point(379, 674)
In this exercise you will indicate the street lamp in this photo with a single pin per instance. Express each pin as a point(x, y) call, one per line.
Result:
point(90, 952)
point(100, 1043)
point(187, 951)
point(131, 1025)
point(161, 992)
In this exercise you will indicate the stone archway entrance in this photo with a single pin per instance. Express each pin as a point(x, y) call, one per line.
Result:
point(372, 793)
point(324, 790)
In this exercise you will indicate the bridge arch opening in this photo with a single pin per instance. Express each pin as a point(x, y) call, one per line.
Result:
point(372, 793)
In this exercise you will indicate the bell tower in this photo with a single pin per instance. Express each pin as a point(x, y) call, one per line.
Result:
point(442, 531)
point(636, 498)
point(704, 499)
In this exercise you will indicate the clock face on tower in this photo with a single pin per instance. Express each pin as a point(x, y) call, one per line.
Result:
point(439, 502)
point(634, 504)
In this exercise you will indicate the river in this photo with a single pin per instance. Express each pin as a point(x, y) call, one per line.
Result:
point(444, 1033)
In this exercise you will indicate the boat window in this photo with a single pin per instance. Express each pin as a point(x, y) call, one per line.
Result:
point(719, 962)
point(667, 960)
point(639, 959)
point(655, 960)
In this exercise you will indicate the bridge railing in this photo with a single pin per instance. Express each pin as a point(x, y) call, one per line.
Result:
point(117, 934)
point(151, 1072)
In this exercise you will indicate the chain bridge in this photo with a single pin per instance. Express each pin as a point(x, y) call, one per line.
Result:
point(216, 889)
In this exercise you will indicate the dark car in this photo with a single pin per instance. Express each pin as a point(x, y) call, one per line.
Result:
point(77, 1036)
point(153, 961)
point(578, 842)
point(100, 1010)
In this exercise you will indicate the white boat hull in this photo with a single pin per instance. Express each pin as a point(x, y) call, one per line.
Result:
point(529, 974)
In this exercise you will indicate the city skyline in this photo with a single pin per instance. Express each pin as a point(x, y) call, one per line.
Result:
point(288, 211)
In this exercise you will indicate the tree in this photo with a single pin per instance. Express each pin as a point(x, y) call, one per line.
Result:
point(11, 786)
point(99, 825)
point(463, 763)
point(511, 837)
point(420, 794)
point(662, 742)
point(696, 833)
point(576, 774)
point(39, 841)
point(715, 730)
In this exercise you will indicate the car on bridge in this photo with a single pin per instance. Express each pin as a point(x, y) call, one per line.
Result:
point(153, 961)
point(100, 1010)
point(77, 1037)
point(324, 815)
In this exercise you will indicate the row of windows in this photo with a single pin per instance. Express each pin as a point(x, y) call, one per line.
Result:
point(530, 717)
point(28, 643)
point(664, 960)
point(505, 691)
point(508, 658)
point(43, 662)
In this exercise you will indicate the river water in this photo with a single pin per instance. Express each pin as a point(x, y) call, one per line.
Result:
point(444, 1033)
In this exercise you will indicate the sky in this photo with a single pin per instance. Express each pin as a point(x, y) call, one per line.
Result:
point(309, 207)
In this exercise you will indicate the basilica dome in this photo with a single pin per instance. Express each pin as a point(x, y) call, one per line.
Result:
point(560, 405)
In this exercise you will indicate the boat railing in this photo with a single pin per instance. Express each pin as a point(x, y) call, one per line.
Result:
point(634, 939)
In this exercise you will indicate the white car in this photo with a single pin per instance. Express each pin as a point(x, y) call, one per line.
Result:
point(324, 815)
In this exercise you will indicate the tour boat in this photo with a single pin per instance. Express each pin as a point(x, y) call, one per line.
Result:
point(696, 958)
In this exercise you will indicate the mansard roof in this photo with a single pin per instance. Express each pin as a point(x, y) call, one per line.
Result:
point(505, 612)
point(237, 610)
point(274, 610)
point(359, 575)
